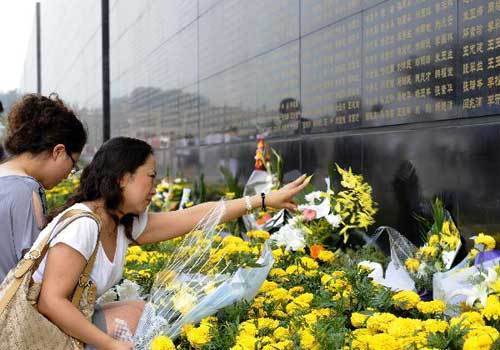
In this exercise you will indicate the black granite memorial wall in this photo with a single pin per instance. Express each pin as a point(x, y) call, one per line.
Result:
point(406, 92)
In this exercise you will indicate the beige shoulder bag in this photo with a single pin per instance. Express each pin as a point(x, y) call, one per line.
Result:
point(21, 325)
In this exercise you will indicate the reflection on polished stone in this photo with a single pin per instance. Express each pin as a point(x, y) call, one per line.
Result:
point(331, 77)
point(319, 13)
point(211, 159)
point(320, 152)
point(186, 162)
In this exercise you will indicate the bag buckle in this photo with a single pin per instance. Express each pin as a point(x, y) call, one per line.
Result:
point(84, 284)
point(32, 255)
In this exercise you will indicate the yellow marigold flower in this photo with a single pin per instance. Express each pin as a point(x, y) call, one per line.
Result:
point(311, 273)
point(405, 299)
point(296, 290)
point(404, 327)
point(470, 319)
point(484, 242)
point(379, 322)
point(277, 273)
point(308, 263)
point(361, 339)
point(232, 240)
point(491, 332)
point(301, 302)
point(199, 336)
point(281, 332)
point(431, 307)
point(162, 343)
point(326, 279)
point(268, 286)
point(383, 342)
point(281, 345)
point(358, 319)
point(278, 253)
point(131, 258)
point(312, 317)
point(245, 342)
point(481, 337)
point(279, 295)
point(248, 328)
point(258, 234)
point(480, 342)
point(307, 340)
point(435, 326)
point(294, 269)
point(492, 310)
point(326, 256)
point(412, 264)
point(267, 323)
point(134, 250)
point(279, 314)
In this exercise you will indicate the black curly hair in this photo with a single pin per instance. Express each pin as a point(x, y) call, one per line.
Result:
point(101, 178)
point(37, 123)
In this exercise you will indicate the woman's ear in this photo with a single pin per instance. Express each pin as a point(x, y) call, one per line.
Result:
point(124, 181)
point(58, 150)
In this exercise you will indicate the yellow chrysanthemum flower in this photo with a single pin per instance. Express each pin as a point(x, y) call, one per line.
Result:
point(412, 264)
point(162, 343)
point(484, 242)
point(405, 299)
point(492, 310)
point(431, 307)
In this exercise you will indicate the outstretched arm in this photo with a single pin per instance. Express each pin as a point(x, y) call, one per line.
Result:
point(164, 226)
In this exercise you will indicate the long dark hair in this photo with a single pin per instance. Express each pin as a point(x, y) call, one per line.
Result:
point(101, 178)
point(37, 123)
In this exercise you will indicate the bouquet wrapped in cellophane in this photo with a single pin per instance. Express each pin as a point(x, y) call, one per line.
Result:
point(413, 268)
point(205, 273)
point(474, 282)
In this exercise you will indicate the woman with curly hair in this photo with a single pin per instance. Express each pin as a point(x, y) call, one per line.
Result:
point(44, 140)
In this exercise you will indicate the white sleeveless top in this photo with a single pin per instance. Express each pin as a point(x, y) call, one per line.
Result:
point(81, 235)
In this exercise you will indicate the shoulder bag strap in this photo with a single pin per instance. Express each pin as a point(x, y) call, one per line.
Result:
point(33, 258)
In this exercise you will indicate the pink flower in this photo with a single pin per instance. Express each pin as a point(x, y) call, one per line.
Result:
point(309, 214)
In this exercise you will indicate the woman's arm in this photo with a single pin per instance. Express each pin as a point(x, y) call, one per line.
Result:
point(62, 271)
point(164, 226)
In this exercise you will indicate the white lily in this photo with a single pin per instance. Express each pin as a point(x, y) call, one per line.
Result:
point(311, 197)
point(478, 291)
point(322, 209)
point(289, 237)
point(334, 220)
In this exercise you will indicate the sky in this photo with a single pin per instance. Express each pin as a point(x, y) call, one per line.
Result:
point(16, 21)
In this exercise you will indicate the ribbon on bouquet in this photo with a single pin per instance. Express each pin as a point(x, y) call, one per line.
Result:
point(483, 257)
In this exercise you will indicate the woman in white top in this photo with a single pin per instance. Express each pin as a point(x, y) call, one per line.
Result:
point(118, 186)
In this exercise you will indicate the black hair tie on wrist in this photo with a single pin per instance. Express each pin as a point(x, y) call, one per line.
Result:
point(263, 196)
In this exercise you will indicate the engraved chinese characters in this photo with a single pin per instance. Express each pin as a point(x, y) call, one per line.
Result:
point(409, 62)
point(480, 39)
